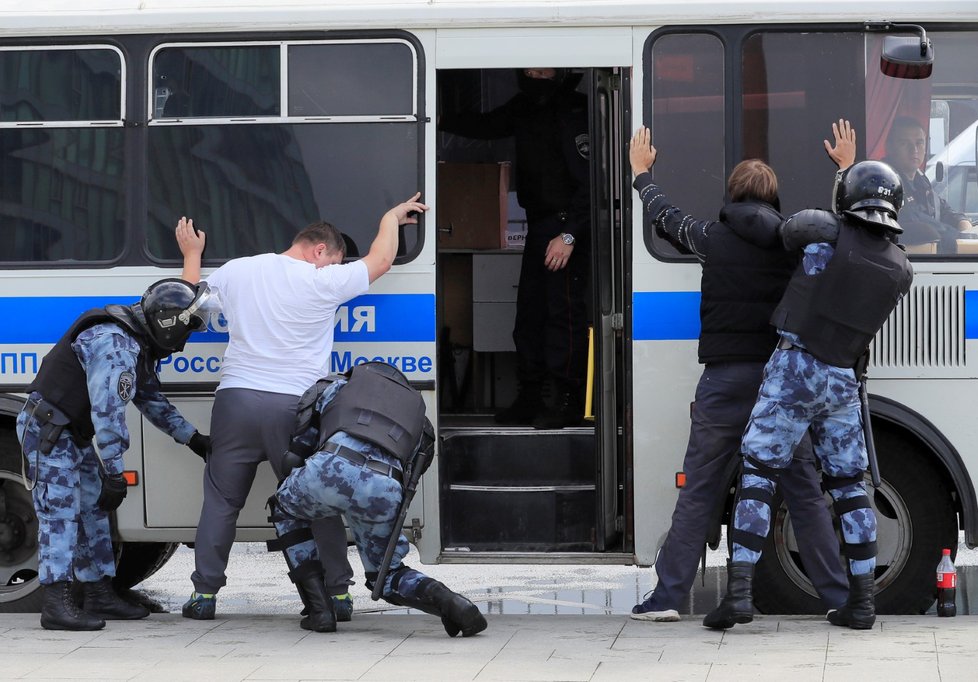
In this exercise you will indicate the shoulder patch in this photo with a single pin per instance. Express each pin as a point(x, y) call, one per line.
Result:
point(127, 386)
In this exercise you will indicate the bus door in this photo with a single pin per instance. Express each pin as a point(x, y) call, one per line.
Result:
point(512, 489)
point(609, 111)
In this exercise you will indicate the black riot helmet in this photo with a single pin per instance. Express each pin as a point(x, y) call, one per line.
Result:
point(173, 309)
point(870, 192)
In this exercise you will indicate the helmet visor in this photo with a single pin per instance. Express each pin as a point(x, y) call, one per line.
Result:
point(194, 317)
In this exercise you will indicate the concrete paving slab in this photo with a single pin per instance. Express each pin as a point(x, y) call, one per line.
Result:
point(169, 648)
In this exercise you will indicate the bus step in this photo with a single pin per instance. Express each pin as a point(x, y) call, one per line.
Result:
point(518, 491)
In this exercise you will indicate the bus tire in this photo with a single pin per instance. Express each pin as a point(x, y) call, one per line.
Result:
point(137, 561)
point(915, 519)
point(19, 587)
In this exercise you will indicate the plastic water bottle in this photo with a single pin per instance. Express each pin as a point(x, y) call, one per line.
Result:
point(947, 581)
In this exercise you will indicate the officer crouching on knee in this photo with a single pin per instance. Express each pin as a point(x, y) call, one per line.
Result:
point(106, 359)
point(360, 445)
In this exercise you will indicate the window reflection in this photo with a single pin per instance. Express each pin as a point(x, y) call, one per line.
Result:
point(688, 124)
point(216, 81)
point(82, 84)
point(252, 187)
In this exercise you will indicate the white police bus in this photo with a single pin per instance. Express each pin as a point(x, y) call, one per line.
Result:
point(118, 116)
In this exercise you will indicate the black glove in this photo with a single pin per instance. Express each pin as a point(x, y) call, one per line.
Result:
point(114, 491)
point(200, 444)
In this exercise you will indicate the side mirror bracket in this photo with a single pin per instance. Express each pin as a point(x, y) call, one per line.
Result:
point(910, 57)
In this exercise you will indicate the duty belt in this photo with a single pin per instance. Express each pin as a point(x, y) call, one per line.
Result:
point(360, 459)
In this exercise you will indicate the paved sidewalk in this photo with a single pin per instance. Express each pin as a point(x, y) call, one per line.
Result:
point(523, 647)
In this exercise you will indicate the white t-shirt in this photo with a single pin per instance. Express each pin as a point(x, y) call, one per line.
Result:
point(279, 312)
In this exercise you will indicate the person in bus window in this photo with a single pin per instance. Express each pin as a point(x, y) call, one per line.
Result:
point(548, 120)
point(280, 311)
point(745, 272)
point(105, 360)
point(925, 217)
point(851, 277)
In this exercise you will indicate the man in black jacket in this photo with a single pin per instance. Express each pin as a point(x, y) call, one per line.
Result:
point(745, 272)
point(548, 120)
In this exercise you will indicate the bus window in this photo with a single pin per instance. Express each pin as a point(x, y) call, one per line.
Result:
point(352, 79)
point(62, 191)
point(788, 107)
point(688, 102)
point(222, 154)
point(216, 81)
point(953, 138)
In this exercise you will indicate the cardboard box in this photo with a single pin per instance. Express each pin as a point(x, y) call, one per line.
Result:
point(472, 205)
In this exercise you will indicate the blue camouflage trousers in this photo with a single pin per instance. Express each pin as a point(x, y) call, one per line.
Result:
point(329, 485)
point(74, 540)
point(799, 392)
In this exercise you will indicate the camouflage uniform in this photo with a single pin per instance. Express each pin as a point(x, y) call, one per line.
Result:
point(74, 536)
point(329, 485)
point(798, 393)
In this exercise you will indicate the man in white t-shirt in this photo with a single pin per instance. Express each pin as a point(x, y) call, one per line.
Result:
point(280, 312)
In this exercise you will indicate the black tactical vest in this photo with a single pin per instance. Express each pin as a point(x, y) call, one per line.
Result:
point(61, 379)
point(837, 312)
point(379, 406)
point(745, 274)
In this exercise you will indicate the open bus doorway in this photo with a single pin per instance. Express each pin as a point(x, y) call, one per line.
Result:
point(513, 488)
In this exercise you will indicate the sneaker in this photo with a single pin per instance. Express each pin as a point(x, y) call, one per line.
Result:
point(200, 606)
point(343, 607)
point(649, 610)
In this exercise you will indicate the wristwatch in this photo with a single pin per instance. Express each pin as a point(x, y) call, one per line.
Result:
point(567, 238)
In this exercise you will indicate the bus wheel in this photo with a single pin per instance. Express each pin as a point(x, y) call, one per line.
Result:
point(915, 520)
point(137, 561)
point(19, 587)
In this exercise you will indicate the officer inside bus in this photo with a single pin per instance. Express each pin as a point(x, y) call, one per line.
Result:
point(548, 120)
point(925, 217)
point(745, 272)
point(851, 277)
point(106, 359)
point(359, 438)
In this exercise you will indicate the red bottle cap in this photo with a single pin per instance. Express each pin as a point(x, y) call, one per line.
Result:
point(947, 552)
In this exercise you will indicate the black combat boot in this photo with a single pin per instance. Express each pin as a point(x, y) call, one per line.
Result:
point(321, 616)
point(60, 612)
point(528, 404)
point(566, 411)
point(737, 605)
point(859, 612)
point(100, 600)
point(458, 614)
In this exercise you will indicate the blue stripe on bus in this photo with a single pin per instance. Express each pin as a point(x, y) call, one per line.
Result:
point(674, 315)
point(665, 315)
point(368, 318)
point(971, 314)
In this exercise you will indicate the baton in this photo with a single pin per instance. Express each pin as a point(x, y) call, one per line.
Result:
point(874, 469)
point(410, 488)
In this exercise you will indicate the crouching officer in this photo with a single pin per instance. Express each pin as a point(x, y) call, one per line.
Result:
point(851, 278)
point(106, 358)
point(358, 438)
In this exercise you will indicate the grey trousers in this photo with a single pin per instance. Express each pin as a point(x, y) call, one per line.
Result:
point(247, 428)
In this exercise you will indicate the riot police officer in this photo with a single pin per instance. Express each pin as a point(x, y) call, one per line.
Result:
point(358, 438)
point(106, 359)
point(851, 278)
